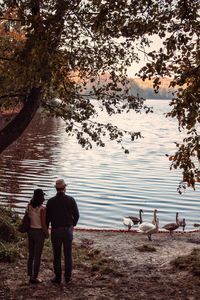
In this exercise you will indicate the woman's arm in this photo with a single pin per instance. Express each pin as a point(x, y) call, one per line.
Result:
point(43, 222)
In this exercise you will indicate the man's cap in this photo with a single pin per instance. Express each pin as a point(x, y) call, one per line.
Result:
point(60, 184)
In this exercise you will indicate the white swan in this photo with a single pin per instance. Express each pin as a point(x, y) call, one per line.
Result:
point(150, 228)
point(128, 222)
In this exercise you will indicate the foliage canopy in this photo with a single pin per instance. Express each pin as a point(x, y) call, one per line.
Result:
point(54, 49)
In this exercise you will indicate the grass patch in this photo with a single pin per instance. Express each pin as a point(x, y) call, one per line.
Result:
point(190, 262)
point(92, 259)
point(146, 248)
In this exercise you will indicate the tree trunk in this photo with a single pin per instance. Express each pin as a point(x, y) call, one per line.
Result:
point(12, 131)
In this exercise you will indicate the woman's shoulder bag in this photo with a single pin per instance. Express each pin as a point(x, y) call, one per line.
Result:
point(25, 223)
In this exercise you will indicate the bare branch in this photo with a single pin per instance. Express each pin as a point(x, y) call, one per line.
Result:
point(10, 19)
point(5, 58)
point(7, 96)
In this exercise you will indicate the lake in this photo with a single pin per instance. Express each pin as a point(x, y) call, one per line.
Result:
point(106, 183)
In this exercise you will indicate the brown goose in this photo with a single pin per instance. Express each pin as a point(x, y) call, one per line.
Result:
point(172, 226)
point(137, 220)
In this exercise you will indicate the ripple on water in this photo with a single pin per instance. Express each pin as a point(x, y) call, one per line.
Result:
point(106, 183)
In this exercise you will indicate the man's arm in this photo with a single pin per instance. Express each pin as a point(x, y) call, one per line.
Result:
point(75, 213)
point(47, 216)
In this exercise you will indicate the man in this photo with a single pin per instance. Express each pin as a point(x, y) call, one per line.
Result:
point(62, 212)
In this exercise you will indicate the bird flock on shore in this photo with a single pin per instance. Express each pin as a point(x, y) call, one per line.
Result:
point(150, 228)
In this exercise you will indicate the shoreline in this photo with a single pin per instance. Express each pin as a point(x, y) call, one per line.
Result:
point(135, 231)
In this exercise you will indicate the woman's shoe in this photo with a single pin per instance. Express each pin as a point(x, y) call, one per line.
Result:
point(35, 280)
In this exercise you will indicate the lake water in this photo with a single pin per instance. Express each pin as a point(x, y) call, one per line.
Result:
point(106, 183)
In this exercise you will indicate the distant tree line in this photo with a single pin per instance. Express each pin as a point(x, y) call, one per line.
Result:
point(148, 92)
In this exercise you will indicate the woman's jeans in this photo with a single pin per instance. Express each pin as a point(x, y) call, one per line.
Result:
point(62, 236)
point(35, 246)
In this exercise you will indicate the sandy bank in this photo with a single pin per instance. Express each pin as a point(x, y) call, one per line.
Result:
point(122, 245)
point(134, 275)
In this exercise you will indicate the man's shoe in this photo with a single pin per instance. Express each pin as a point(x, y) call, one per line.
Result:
point(35, 280)
point(56, 280)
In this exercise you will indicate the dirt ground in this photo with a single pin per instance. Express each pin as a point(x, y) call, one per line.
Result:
point(135, 274)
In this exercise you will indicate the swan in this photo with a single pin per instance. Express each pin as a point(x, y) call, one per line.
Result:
point(172, 226)
point(150, 228)
point(137, 220)
point(128, 222)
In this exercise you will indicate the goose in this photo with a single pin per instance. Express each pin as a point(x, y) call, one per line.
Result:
point(128, 222)
point(172, 226)
point(150, 228)
point(182, 224)
point(137, 220)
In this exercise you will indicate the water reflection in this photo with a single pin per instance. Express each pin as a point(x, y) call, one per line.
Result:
point(26, 164)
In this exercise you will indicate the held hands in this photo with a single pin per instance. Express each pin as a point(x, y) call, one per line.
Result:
point(46, 235)
point(46, 232)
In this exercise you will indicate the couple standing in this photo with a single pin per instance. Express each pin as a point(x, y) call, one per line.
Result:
point(62, 213)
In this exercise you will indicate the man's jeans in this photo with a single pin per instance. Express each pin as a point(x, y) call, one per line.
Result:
point(62, 236)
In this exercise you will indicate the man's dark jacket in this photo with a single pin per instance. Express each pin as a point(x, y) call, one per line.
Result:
point(61, 211)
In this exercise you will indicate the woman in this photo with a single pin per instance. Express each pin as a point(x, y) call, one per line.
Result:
point(36, 234)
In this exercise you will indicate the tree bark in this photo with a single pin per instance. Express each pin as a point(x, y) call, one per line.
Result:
point(12, 131)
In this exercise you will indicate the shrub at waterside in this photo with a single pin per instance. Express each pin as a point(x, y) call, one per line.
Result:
point(9, 237)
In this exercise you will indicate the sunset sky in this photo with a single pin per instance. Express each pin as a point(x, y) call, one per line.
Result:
point(156, 44)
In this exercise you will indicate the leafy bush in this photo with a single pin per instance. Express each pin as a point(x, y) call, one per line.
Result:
point(8, 223)
point(8, 252)
point(10, 214)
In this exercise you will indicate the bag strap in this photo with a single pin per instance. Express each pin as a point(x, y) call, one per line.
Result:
point(27, 210)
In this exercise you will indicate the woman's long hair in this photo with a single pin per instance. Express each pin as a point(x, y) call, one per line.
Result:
point(38, 198)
